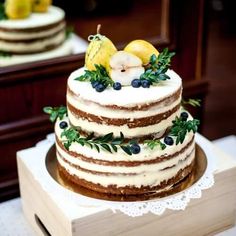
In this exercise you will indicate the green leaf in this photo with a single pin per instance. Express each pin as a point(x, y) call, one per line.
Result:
point(3, 15)
point(114, 147)
point(191, 102)
point(53, 116)
point(55, 112)
point(97, 147)
point(107, 137)
point(106, 147)
point(126, 149)
point(99, 74)
point(48, 110)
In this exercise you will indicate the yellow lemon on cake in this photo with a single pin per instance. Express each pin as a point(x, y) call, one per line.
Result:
point(40, 5)
point(142, 49)
point(99, 51)
point(18, 9)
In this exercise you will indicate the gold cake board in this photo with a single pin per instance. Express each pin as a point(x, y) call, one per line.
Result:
point(213, 212)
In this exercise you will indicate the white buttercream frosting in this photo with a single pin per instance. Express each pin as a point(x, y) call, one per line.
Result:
point(128, 132)
point(66, 48)
point(127, 96)
point(53, 15)
point(149, 178)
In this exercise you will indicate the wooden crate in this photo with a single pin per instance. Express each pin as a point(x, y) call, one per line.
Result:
point(213, 212)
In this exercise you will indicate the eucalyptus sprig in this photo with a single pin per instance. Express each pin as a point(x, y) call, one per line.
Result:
point(192, 102)
point(99, 75)
point(3, 15)
point(55, 112)
point(180, 128)
point(107, 142)
point(153, 143)
point(156, 69)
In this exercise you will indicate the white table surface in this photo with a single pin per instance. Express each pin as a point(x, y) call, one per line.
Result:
point(13, 223)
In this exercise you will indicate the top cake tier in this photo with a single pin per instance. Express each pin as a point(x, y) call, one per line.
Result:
point(137, 113)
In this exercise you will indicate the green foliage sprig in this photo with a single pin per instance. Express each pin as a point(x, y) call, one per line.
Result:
point(107, 142)
point(153, 143)
point(3, 15)
point(192, 102)
point(156, 69)
point(180, 128)
point(99, 75)
point(69, 31)
point(55, 112)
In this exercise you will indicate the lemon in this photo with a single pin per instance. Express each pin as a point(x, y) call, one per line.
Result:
point(40, 5)
point(18, 9)
point(141, 49)
point(99, 51)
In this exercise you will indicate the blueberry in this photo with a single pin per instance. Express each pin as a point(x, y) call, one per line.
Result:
point(135, 148)
point(100, 87)
point(136, 83)
point(145, 83)
point(117, 86)
point(63, 124)
point(168, 140)
point(94, 84)
point(184, 116)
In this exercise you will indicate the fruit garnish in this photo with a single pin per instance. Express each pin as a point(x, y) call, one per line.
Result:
point(40, 5)
point(99, 50)
point(125, 67)
point(142, 49)
point(17, 9)
point(157, 67)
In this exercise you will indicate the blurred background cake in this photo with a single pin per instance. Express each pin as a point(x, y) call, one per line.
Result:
point(32, 30)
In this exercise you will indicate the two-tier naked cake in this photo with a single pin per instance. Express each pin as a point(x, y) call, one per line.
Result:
point(124, 131)
point(40, 35)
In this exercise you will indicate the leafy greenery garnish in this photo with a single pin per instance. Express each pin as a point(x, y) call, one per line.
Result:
point(180, 128)
point(107, 142)
point(69, 31)
point(55, 112)
point(155, 143)
point(157, 67)
point(99, 75)
point(3, 15)
point(192, 102)
point(5, 54)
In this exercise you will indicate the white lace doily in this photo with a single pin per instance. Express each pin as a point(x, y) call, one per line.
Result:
point(178, 201)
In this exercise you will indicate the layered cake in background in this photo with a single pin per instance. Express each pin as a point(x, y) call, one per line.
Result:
point(31, 31)
point(124, 130)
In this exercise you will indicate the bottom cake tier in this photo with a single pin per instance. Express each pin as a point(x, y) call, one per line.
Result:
point(151, 170)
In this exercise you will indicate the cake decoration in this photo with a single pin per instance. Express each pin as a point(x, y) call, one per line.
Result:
point(124, 140)
point(138, 65)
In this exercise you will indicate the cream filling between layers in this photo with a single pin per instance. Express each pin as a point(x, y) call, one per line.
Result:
point(127, 96)
point(145, 154)
point(103, 129)
point(11, 35)
point(143, 168)
point(144, 179)
point(34, 46)
point(95, 109)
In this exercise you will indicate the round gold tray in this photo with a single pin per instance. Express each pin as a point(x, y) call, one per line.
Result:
point(199, 169)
